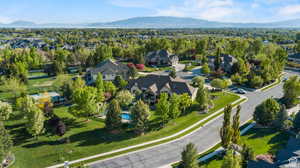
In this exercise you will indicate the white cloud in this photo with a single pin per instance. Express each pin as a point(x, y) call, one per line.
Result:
point(290, 10)
point(134, 3)
point(203, 9)
point(5, 19)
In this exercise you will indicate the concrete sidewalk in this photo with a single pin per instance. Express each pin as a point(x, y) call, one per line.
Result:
point(151, 142)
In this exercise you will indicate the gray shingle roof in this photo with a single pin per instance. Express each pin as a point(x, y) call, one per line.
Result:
point(109, 67)
point(157, 82)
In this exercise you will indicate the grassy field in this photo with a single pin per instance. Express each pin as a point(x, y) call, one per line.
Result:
point(262, 141)
point(89, 138)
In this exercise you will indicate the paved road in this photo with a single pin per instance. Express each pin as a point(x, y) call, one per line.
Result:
point(204, 138)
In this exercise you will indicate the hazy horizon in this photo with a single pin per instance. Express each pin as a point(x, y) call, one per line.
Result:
point(88, 11)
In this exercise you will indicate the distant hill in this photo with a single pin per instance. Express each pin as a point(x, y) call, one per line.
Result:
point(159, 22)
point(179, 22)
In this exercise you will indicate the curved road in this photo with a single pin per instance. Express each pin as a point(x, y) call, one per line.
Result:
point(204, 138)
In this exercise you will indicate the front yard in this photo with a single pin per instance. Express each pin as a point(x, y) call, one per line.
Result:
point(261, 140)
point(90, 138)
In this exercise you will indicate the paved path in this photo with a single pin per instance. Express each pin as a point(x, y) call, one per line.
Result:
point(204, 138)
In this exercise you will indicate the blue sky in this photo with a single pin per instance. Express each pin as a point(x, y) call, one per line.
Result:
point(82, 11)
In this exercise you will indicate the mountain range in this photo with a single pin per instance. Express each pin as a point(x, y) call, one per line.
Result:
point(158, 22)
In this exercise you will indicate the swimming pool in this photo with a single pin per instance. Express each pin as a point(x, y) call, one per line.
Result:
point(126, 116)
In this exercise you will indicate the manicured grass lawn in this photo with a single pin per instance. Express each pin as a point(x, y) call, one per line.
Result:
point(89, 138)
point(262, 141)
point(33, 74)
point(152, 69)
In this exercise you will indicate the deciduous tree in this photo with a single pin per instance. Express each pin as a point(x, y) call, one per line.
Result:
point(174, 111)
point(291, 90)
point(265, 113)
point(163, 108)
point(5, 111)
point(84, 102)
point(125, 98)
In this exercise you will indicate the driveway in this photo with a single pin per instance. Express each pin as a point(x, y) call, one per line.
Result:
point(204, 138)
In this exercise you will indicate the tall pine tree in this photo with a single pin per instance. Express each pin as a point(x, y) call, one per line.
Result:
point(189, 157)
point(236, 126)
point(226, 130)
point(113, 119)
point(140, 115)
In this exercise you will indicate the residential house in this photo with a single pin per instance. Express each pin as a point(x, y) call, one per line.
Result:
point(226, 64)
point(55, 98)
point(161, 58)
point(109, 69)
point(153, 85)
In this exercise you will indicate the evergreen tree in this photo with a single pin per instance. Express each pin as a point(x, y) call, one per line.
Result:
point(133, 72)
point(5, 143)
point(281, 117)
point(202, 98)
point(113, 119)
point(163, 108)
point(99, 83)
point(174, 106)
point(231, 160)
point(226, 130)
point(205, 69)
point(140, 115)
point(172, 73)
point(247, 155)
point(236, 126)
point(189, 157)
point(218, 60)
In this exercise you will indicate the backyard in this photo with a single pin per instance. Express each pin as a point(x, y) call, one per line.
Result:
point(87, 138)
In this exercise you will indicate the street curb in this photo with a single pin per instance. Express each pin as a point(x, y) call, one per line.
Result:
point(150, 142)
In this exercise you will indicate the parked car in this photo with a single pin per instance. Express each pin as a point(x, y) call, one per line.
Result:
point(241, 91)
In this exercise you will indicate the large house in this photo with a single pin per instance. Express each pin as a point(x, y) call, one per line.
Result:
point(226, 64)
point(161, 58)
point(109, 70)
point(153, 85)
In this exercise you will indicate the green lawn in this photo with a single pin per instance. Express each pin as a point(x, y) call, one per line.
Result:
point(89, 138)
point(33, 74)
point(262, 141)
